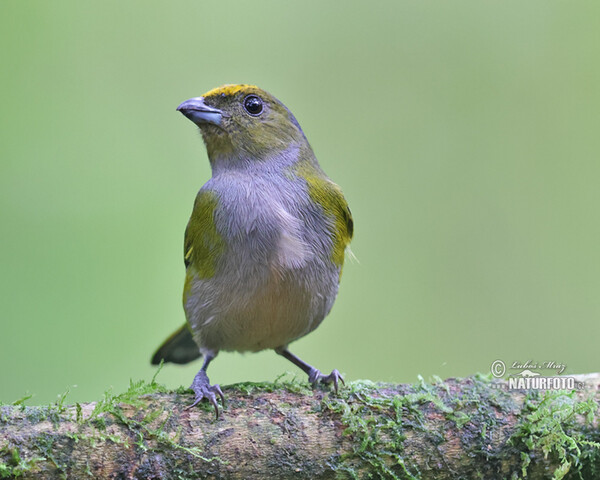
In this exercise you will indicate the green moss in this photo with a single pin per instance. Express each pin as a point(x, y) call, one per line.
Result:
point(131, 396)
point(44, 443)
point(141, 428)
point(549, 424)
point(78, 413)
point(144, 430)
point(382, 420)
point(60, 403)
point(284, 381)
point(459, 418)
point(98, 422)
point(14, 466)
point(377, 425)
point(22, 400)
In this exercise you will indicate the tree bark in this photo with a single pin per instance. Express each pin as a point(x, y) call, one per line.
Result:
point(457, 428)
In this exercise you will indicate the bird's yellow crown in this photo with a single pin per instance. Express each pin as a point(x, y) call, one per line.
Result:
point(229, 90)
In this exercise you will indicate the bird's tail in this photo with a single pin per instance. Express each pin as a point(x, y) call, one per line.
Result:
point(180, 348)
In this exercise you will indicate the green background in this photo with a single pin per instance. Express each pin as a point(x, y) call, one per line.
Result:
point(465, 135)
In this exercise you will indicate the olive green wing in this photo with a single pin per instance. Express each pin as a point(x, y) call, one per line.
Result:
point(344, 210)
point(203, 245)
point(331, 198)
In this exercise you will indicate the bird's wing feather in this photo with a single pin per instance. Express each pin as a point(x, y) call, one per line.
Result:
point(203, 244)
point(343, 225)
point(329, 196)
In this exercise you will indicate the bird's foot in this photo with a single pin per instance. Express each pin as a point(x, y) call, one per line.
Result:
point(203, 389)
point(315, 376)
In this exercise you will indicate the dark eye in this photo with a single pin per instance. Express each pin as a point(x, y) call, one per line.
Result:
point(253, 105)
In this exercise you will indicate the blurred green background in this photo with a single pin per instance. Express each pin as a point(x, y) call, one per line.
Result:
point(465, 135)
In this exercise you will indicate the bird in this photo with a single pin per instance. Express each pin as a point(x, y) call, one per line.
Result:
point(266, 241)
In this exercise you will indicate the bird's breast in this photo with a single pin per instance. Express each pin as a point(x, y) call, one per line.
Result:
point(264, 224)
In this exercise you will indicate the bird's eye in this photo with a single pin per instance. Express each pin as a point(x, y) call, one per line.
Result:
point(253, 105)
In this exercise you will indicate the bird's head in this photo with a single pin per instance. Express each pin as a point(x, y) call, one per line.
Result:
point(243, 122)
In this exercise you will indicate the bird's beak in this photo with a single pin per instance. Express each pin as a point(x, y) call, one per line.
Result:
point(198, 112)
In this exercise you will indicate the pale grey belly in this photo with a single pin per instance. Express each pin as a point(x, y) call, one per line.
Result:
point(267, 310)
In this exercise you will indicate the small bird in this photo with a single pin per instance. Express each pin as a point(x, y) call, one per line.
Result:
point(266, 241)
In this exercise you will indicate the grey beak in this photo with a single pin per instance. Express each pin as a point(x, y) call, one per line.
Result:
point(198, 112)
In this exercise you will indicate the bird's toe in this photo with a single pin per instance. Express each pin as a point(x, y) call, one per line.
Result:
point(315, 377)
point(204, 390)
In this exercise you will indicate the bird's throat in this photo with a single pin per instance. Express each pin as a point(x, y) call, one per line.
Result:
point(218, 142)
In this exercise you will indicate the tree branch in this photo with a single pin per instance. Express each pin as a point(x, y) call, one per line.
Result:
point(458, 428)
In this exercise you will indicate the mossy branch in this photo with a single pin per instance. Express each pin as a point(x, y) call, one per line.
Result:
point(457, 428)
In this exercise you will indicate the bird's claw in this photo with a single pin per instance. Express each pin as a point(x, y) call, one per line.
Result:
point(203, 389)
point(315, 376)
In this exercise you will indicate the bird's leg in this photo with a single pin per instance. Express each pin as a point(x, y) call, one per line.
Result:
point(203, 389)
point(314, 375)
